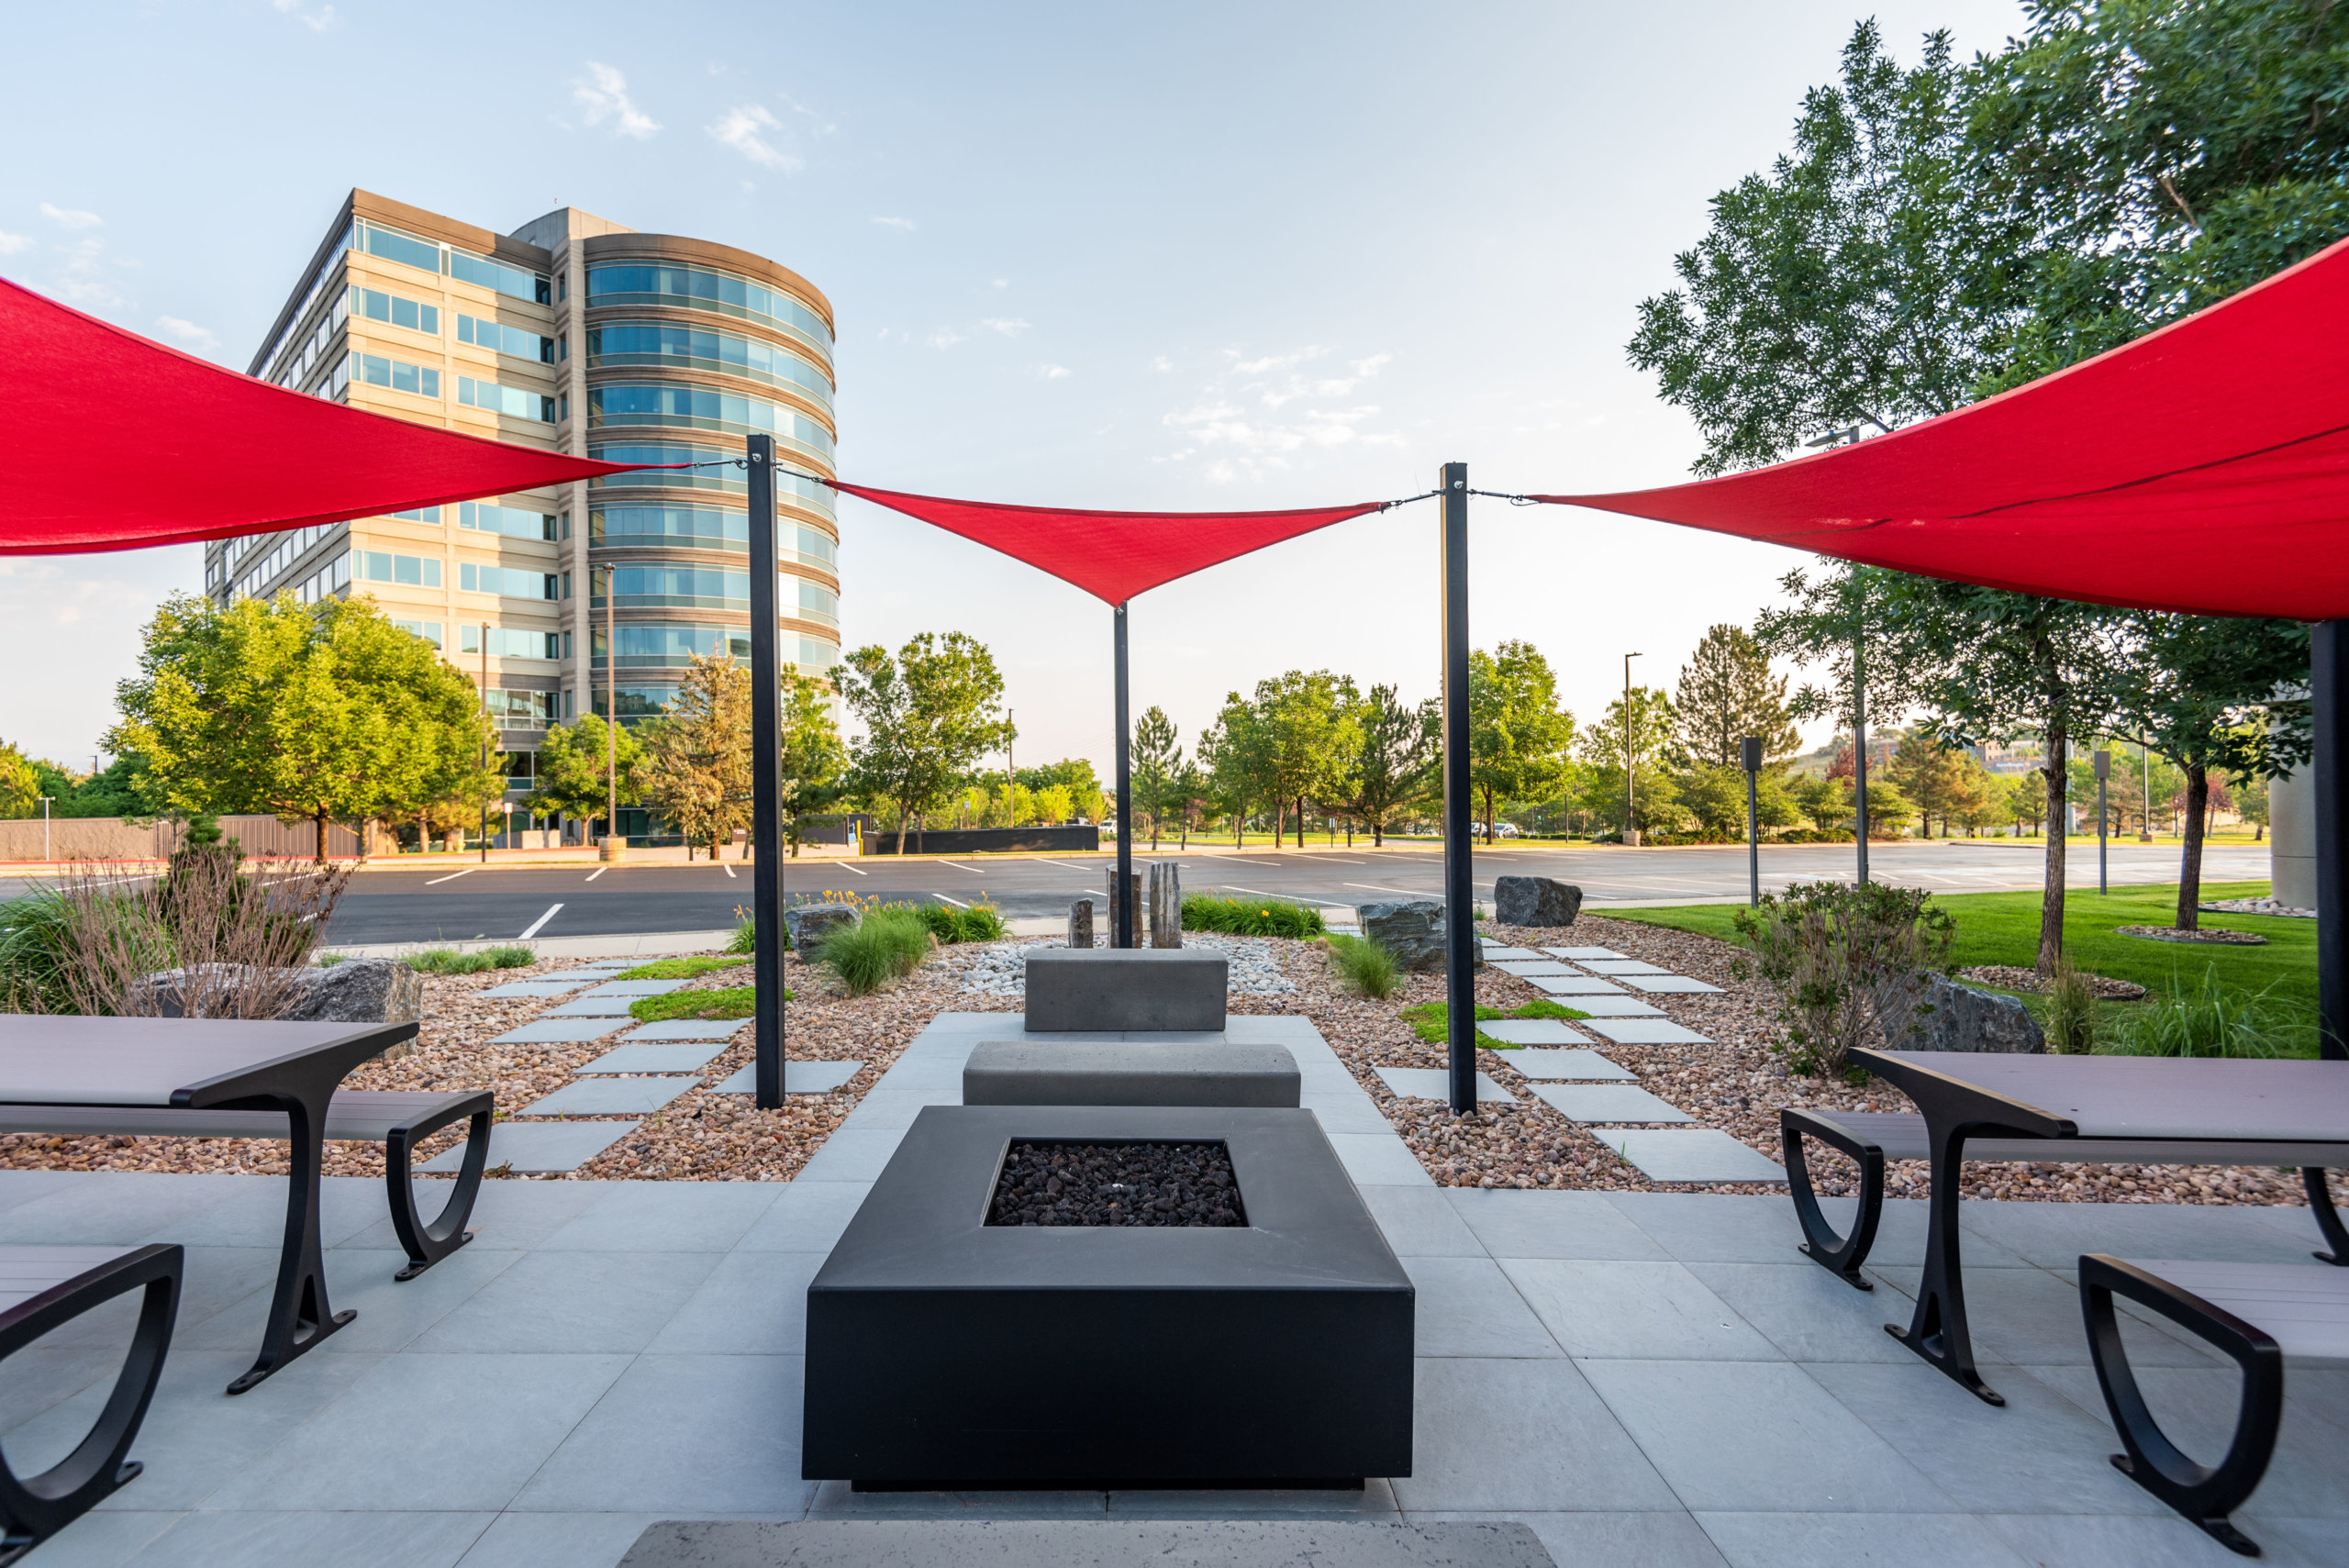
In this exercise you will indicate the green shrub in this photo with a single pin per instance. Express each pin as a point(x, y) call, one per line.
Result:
point(1851, 963)
point(2074, 1018)
point(1431, 1020)
point(887, 944)
point(36, 939)
point(692, 968)
point(979, 923)
point(328, 960)
point(1367, 969)
point(449, 961)
point(1251, 917)
point(746, 934)
point(718, 1002)
point(512, 956)
point(2214, 1020)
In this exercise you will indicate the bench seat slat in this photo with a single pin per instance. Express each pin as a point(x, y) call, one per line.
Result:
point(2303, 1307)
point(1901, 1136)
point(355, 1115)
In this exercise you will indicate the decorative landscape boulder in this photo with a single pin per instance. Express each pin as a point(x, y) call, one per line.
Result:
point(1966, 1019)
point(1535, 901)
point(808, 924)
point(359, 991)
point(1411, 930)
point(1080, 924)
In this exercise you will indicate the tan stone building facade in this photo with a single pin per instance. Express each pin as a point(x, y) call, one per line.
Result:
point(574, 334)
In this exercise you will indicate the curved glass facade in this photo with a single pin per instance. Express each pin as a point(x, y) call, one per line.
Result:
point(693, 347)
point(705, 408)
point(645, 644)
point(699, 288)
point(657, 584)
point(722, 474)
point(705, 527)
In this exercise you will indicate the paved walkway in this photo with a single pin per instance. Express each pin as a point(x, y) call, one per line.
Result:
point(1646, 1379)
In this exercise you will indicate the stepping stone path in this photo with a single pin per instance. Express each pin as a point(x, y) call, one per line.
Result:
point(1621, 966)
point(1658, 1031)
point(540, 1148)
point(1609, 1102)
point(535, 988)
point(1569, 984)
point(591, 1008)
point(798, 1078)
point(1669, 984)
point(632, 988)
point(1435, 1084)
point(544, 1030)
point(609, 1097)
point(1667, 1155)
point(1612, 1007)
point(689, 1028)
point(1493, 952)
point(1579, 954)
point(1526, 969)
point(1530, 1032)
point(1583, 1064)
point(656, 1056)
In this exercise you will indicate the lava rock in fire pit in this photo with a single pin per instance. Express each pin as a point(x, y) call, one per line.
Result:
point(1116, 1184)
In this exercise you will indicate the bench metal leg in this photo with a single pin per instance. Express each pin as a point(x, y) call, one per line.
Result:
point(34, 1508)
point(1937, 1331)
point(1839, 1255)
point(2328, 1218)
point(426, 1244)
point(299, 1316)
point(2204, 1494)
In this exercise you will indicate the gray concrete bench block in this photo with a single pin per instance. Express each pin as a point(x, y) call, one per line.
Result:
point(1126, 988)
point(1129, 1072)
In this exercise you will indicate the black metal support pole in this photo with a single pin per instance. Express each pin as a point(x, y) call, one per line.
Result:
point(766, 778)
point(1459, 850)
point(1122, 894)
point(2103, 772)
point(1750, 753)
point(1860, 733)
point(2327, 655)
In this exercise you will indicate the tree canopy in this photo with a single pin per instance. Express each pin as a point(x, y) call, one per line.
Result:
point(929, 714)
point(697, 770)
point(1518, 734)
point(1727, 693)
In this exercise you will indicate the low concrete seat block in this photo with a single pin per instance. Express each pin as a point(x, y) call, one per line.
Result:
point(1134, 1073)
point(1125, 989)
point(946, 1353)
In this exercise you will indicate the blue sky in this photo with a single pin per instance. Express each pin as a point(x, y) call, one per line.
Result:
point(1207, 256)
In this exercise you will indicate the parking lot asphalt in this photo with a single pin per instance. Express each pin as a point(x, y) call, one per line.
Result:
point(392, 906)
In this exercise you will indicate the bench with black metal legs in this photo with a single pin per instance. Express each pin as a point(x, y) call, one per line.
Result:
point(42, 1289)
point(1871, 1138)
point(400, 1121)
point(2261, 1315)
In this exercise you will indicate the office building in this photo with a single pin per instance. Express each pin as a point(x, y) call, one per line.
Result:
point(574, 334)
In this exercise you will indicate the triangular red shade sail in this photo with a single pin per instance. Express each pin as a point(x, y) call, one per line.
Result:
point(2202, 467)
point(1113, 555)
point(119, 442)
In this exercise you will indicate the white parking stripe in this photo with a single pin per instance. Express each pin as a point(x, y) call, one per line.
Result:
point(598, 871)
point(956, 902)
point(452, 876)
point(538, 923)
point(960, 866)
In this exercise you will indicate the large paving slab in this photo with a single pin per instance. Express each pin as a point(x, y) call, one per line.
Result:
point(1524, 968)
point(1435, 1084)
point(656, 1056)
point(1615, 1006)
point(1667, 1155)
point(1495, 951)
point(1088, 1544)
point(689, 1028)
point(545, 1031)
point(638, 987)
point(1648, 1031)
point(1622, 966)
point(1579, 954)
point(591, 1008)
point(798, 1078)
point(1530, 1032)
point(609, 1097)
point(1668, 985)
point(1566, 985)
point(1587, 1066)
point(535, 988)
point(540, 1148)
point(1608, 1102)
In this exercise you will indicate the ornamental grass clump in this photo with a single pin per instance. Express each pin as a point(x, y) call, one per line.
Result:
point(1251, 917)
point(978, 923)
point(449, 961)
point(2075, 1018)
point(1367, 968)
point(512, 956)
point(1850, 965)
point(887, 944)
point(2215, 1020)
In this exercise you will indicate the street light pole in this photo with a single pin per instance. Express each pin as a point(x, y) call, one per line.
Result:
point(484, 744)
point(1750, 753)
point(1631, 816)
point(44, 825)
point(2103, 772)
point(611, 710)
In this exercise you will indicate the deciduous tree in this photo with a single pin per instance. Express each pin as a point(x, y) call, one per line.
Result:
point(575, 770)
point(1397, 751)
point(696, 769)
point(1519, 737)
point(928, 715)
point(812, 759)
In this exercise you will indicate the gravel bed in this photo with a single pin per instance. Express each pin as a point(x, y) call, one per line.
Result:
point(1255, 967)
point(1164, 1185)
point(2257, 906)
point(2217, 936)
point(2015, 977)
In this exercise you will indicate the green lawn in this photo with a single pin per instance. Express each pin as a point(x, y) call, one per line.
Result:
point(2003, 927)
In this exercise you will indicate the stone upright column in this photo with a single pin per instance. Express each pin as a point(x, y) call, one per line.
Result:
point(1165, 904)
point(1080, 924)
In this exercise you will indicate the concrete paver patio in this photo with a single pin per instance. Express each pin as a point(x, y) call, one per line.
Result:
point(1649, 1379)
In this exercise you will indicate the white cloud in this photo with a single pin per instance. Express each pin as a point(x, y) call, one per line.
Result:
point(602, 94)
point(745, 129)
point(187, 334)
point(1001, 283)
point(84, 281)
point(904, 223)
point(1162, 363)
point(946, 338)
point(1371, 366)
point(12, 243)
point(1220, 419)
point(1010, 327)
point(317, 22)
point(1052, 372)
point(69, 218)
point(1273, 362)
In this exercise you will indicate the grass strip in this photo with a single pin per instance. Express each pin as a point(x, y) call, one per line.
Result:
point(720, 1003)
point(692, 968)
point(1431, 1021)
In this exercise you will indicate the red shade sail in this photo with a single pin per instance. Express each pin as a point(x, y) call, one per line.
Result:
point(2203, 468)
point(119, 442)
point(1112, 555)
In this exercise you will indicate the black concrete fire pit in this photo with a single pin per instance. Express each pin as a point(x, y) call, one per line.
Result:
point(947, 1351)
point(1116, 1184)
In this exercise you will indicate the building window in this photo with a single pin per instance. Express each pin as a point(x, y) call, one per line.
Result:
point(394, 246)
point(418, 515)
point(412, 570)
point(427, 629)
point(663, 342)
point(819, 604)
point(519, 710)
point(705, 409)
point(414, 315)
point(679, 585)
point(509, 641)
point(712, 470)
point(512, 582)
point(519, 402)
point(515, 281)
point(376, 371)
point(506, 339)
point(700, 288)
point(513, 522)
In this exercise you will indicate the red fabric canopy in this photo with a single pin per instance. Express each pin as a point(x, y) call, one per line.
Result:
point(1112, 555)
point(2204, 468)
point(118, 442)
